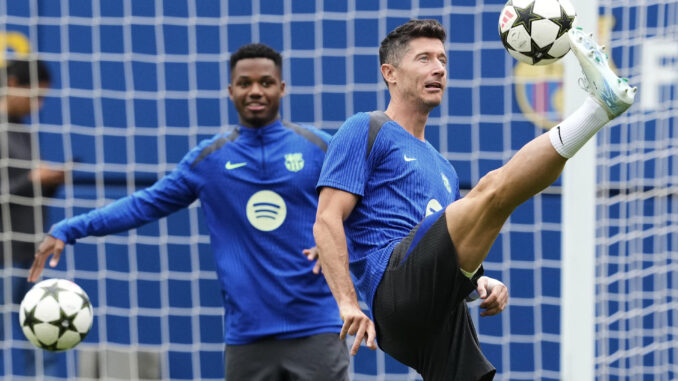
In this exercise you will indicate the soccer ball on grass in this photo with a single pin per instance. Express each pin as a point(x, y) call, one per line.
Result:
point(535, 31)
point(55, 315)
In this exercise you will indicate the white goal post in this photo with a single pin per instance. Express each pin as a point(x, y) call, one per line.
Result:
point(577, 354)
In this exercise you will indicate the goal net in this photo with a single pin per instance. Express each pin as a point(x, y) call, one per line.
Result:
point(637, 234)
point(136, 84)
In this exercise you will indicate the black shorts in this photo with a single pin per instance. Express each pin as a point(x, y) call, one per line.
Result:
point(420, 310)
point(318, 357)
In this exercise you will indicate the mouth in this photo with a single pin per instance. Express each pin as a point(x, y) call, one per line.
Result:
point(433, 86)
point(255, 106)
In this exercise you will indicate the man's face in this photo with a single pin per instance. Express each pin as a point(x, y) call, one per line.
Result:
point(255, 89)
point(22, 99)
point(421, 75)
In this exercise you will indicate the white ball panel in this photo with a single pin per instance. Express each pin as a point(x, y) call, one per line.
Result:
point(568, 7)
point(70, 302)
point(522, 3)
point(83, 322)
point(30, 336)
point(520, 57)
point(46, 333)
point(68, 340)
point(31, 298)
point(547, 8)
point(560, 47)
point(519, 39)
point(71, 286)
point(544, 32)
point(47, 310)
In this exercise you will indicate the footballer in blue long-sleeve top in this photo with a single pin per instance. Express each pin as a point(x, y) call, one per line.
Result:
point(390, 216)
point(256, 185)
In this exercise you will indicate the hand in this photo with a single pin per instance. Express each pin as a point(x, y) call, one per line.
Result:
point(48, 246)
point(312, 255)
point(47, 176)
point(494, 294)
point(358, 324)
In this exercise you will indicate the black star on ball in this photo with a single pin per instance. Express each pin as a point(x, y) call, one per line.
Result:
point(85, 300)
point(525, 17)
point(537, 54)
point(52, 291)
point(564, 22)
point(30, 320)
point(65, 322)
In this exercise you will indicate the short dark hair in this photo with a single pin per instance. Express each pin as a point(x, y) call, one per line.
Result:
point(23, 69)
point(256, 51)
point(393, 46)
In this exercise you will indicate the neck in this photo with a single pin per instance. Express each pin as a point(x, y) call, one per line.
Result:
point(409, 115)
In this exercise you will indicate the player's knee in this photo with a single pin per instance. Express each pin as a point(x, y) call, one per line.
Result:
point(490, 190)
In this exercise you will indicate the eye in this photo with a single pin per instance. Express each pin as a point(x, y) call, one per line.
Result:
point(266, 83)
point(443, 60)
point(243, 84)
point(423, 58)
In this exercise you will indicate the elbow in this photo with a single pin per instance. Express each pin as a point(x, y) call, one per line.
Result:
point(323, 223)
point(319, 226)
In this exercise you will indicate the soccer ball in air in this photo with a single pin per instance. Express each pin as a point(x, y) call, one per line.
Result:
point(535, 31)
point(55, 315)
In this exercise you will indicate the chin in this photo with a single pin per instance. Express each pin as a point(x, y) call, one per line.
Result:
point(258, 122)
point(432, 103)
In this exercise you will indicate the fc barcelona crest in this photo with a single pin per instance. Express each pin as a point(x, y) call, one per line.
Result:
point(539, 93)
point(294, 162)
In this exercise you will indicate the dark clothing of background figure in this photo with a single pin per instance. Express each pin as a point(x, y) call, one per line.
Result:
point(17, 160)
point(19, 213)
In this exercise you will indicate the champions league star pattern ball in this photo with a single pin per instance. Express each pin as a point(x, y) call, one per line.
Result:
point(55, 315)
point(535, 31)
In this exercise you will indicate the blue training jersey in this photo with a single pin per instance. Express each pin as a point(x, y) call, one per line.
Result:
point(400, 180)
point(257, 190)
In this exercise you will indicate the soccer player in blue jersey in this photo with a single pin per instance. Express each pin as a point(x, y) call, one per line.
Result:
point(390, 213)
point(256, 185)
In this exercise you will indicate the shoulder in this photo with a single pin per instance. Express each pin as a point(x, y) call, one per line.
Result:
point(209, 146)
point(311, 134)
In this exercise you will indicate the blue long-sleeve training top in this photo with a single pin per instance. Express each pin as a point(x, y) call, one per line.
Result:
point(257, 190)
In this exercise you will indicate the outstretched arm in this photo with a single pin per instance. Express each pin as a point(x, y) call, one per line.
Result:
point(334, 206)
point(166, 196)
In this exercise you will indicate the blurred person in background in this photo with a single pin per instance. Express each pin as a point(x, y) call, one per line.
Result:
point(23, 182)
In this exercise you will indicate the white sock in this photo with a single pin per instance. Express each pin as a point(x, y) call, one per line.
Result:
point(573, 132)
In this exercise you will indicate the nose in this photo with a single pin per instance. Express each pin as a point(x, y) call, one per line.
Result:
point(439, 68)
point(255, 90)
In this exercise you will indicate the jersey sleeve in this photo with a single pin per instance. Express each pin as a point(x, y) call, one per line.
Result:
point(169, 194)
point(346, 166)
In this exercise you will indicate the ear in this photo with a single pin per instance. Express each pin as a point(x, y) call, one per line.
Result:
point(282, 88)
point(389, 72)
point(230, 91)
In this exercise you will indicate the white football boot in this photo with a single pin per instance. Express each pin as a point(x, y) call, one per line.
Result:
point(612, 92)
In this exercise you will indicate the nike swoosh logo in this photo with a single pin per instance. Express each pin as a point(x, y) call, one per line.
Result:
point(230, 166)
point(409, 158)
